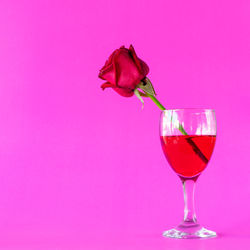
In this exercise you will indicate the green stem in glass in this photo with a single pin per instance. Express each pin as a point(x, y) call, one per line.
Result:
point(182, 130)
point(153, 98)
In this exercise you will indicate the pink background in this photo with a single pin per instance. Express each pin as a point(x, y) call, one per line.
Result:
point(82, 168)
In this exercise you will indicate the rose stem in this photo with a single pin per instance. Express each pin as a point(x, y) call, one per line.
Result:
point(182, 130)
point(156, 101)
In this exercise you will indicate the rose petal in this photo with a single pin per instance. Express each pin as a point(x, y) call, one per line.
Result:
point(106, 85)
point(109, 61)
point(124, 92)
point(135, 58)
point(127, 73)
point(107, 72)
point(142, 66)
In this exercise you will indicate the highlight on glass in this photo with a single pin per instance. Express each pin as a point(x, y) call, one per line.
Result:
point(188, 139)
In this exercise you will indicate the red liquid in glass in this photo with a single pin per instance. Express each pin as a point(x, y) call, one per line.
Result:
point(181, 156)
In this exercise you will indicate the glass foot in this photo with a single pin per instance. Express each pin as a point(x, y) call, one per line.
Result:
point(189, 231)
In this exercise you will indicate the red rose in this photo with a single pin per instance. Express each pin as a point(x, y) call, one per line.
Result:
point(123, 71)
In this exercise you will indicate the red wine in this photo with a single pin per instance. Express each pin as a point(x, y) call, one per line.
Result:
point(183, 157)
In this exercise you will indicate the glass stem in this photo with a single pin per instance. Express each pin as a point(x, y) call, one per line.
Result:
point(189, 211)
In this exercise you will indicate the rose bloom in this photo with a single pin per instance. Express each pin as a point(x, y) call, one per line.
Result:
point(123, 71)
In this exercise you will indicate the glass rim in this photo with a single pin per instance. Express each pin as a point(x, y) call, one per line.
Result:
point(189, 109)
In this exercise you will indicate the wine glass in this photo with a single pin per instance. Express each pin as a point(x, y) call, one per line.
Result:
point(188, 138)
